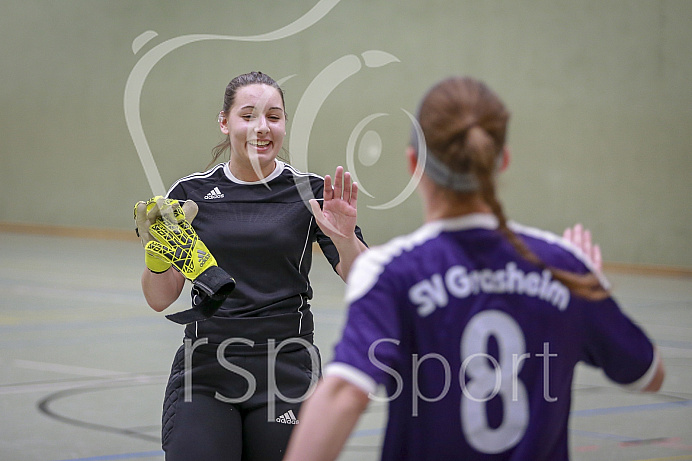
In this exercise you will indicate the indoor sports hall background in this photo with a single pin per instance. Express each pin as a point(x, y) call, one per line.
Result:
point(107, 102)
point(599, 93)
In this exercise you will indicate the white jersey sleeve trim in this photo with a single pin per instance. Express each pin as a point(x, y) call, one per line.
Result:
point(641, 384)
point(353, 375)
point(369, 265)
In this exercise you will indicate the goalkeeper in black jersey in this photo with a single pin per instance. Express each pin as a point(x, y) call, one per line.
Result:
point(248, 358)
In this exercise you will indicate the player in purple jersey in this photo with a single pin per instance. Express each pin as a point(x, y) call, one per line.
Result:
point(237, 382)
point(472, 324)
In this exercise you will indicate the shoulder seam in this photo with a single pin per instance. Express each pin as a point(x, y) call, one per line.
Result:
point(197, 175)
point(297, 172)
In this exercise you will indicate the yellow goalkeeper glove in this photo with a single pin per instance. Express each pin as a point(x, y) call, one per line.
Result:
point(146, 213)
point(175, 242)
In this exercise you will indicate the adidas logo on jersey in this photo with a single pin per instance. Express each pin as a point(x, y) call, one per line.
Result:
point(287, 418)
point(214, 193)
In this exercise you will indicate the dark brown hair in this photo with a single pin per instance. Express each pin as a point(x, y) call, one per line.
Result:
point(251, 78)
point(465, 126)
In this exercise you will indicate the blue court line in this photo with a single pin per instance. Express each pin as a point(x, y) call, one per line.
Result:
point(144, 454)
point(367, 432)
point(581, 414)
point(631, 409)
point(378, 431)
point(674, 344)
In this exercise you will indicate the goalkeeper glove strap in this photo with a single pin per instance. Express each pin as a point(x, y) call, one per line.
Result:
point(209, 290)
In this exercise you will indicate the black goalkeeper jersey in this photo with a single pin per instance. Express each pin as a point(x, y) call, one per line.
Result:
point(261, 233)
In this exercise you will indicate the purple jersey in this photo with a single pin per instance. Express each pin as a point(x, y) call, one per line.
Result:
point(475, 346)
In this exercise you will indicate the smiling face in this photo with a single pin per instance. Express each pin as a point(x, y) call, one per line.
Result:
point(256, 126)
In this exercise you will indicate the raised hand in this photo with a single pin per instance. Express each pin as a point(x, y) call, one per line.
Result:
point(337, 217)
point(147, 213)
point(581, 238)
point(170, 240)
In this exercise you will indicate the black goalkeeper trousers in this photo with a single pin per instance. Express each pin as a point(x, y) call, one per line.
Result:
point(237, 408)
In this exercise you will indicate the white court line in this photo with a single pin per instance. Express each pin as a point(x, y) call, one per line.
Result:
point(66, 369)
point(97, 384)
point(103, 377)
point(39, 387)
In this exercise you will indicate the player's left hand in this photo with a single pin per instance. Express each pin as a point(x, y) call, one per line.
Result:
point(337, 217)
point(147, 213)
point(581, 238)
point(176, 243)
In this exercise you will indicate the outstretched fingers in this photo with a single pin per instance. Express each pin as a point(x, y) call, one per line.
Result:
point(341, 187)
point(328, 193)
point(596, 257)
point(581, 238)
point(339, 182)
point(354, 195)
point(348, 187)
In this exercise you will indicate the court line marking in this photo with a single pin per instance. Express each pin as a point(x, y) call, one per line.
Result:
point(673, 344)
point(67, 369)
point(669, 458)
point(630, 408)
point(143, 454)
point(601, 435)
point(101, 377)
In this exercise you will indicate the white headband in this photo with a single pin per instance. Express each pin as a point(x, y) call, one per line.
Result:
point(440, 173)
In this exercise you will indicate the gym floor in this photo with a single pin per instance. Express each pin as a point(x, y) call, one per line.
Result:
point(85, 361)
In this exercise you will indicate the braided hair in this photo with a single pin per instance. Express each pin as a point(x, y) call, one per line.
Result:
point(465, 126)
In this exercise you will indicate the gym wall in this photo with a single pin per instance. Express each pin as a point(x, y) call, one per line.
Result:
point(599, 92)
